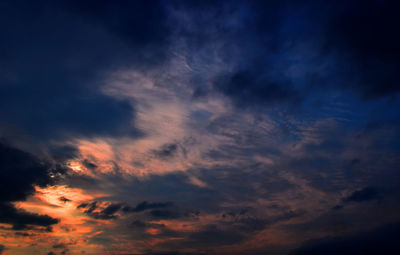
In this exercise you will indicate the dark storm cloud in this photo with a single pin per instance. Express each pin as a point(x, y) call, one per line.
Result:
point(380, 240)
point(258, 76)
point(146, 206)
point(98, 211)
point(111, 209)
point(361, 38)
point(365, 194)
point(285, 52)
point(262, 54)
point(20, 218)
point(19, 172)
point(140, 23)
point(95, 210)
point(54, 54)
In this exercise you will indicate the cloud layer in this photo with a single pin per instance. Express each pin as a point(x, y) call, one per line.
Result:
point(199, 127)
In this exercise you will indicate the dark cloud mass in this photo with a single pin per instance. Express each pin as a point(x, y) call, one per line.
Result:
point(376, 241)
point(96, 210)
point(146, 206)
point(199, 127)
point(20, 218)
point(366, 194)
point(54, 54)
point(20, 171)
point(295, 48)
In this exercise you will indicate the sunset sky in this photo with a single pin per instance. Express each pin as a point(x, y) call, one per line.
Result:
point(199, 127)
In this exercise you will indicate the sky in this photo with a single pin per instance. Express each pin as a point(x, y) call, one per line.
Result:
point(199, 127)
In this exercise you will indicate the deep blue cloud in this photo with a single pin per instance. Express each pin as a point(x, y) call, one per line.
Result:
point(53, 57)
point(143, 206)
point(55, 52)
point(239, 70)
point(380, 240)
point(366, 194)
point(19, 172)
point(293, 50)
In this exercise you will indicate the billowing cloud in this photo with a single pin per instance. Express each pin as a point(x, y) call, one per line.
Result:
point(211, 127)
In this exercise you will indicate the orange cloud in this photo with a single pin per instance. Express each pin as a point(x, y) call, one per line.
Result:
point(73, 230)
